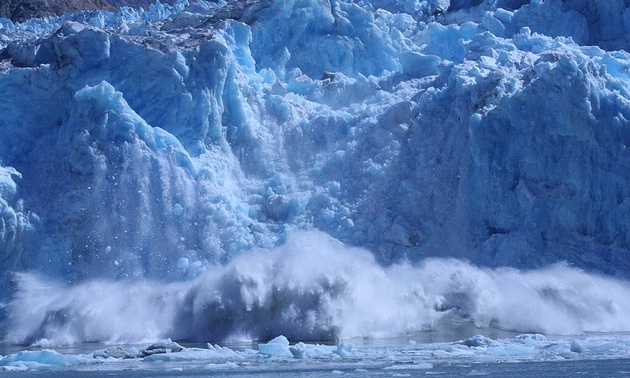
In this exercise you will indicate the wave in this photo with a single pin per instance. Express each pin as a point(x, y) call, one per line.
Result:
point(315, 288)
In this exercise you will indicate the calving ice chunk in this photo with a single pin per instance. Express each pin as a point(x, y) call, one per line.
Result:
point(184, 156)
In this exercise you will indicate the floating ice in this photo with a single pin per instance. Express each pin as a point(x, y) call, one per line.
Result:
point(44, 359)
point(278, 347)
point(405, 359)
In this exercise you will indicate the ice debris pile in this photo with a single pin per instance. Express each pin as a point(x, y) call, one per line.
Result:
point(324, 358)
point(160, 144)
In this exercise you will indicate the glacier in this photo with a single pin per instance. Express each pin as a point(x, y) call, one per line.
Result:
point(318, 169)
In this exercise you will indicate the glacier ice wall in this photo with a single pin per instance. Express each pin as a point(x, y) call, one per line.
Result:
point(159, 144)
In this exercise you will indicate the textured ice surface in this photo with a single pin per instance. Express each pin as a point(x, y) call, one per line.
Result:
point(146, 154)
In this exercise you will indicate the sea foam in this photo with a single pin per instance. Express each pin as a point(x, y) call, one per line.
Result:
point(316, 288)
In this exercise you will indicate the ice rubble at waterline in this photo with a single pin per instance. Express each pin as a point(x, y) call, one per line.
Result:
point(321, 358)
point(145, 154)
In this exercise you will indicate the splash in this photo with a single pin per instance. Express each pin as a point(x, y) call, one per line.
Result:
point(316, 288)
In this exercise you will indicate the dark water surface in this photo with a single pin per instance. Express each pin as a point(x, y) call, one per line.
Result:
point(591, 369)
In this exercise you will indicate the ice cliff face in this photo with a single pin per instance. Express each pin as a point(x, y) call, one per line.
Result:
point(155, 144)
